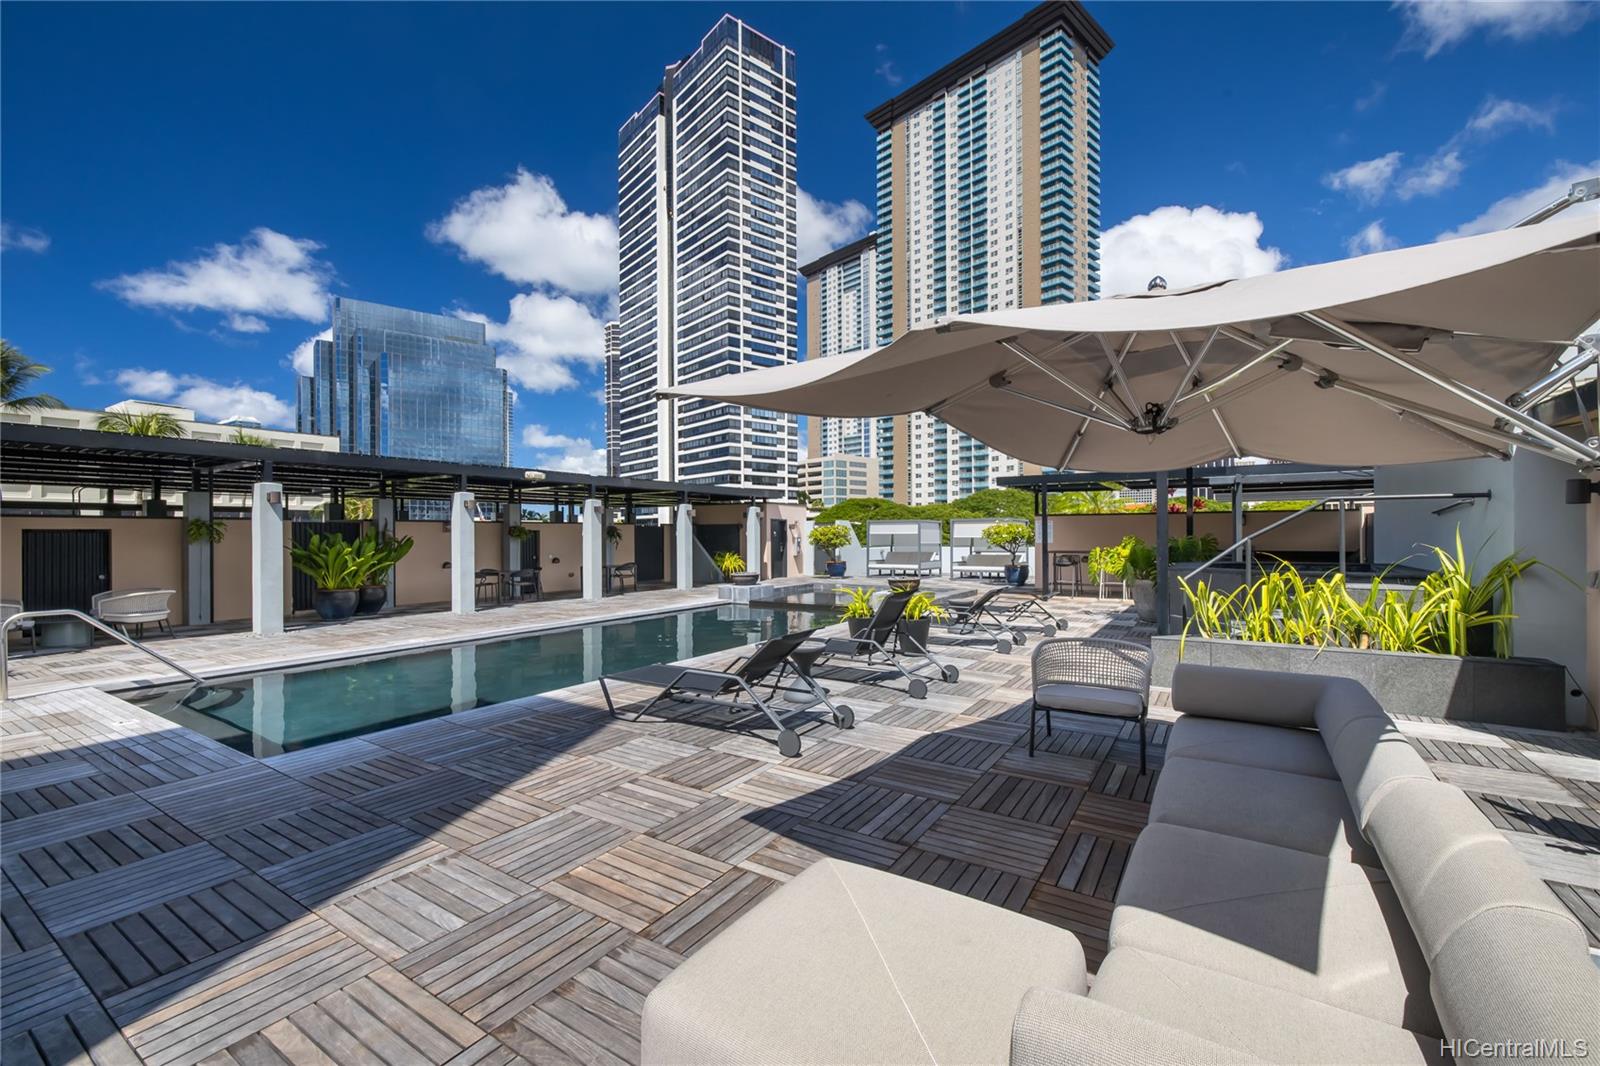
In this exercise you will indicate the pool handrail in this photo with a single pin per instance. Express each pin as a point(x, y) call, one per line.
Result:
point(67, 612)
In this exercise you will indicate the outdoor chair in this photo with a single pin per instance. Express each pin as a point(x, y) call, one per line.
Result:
point(768, 664)
point(983, 564)
point(982, 615)
point(1091, 675)
point(870, 645)
point(624, 573)
point(134, 607)
point(11, 607)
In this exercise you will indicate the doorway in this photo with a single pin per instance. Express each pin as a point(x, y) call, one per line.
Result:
point(780, 547)
point(64, 568)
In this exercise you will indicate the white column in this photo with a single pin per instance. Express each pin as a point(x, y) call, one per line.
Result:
point(197, 562)
point(266, 715)
point(463, 678)
point(511, 547)
point(463, 555)
point(383, 515)
point(807, 553)
point(752, 538)
point(683, 557)
point(594, 558)
point(266, 559)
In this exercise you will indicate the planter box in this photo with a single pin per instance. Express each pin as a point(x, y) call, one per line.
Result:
point(1528, 693)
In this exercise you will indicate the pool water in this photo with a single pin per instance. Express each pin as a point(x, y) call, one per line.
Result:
point(285, 711)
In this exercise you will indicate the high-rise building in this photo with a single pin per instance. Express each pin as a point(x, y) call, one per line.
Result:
point(613, 353)
point(706, 217)
point(842, 316)
point(831, 479)
point(408, 384)
point(988, 197)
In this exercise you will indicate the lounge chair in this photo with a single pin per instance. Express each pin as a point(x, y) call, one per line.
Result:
point(1091, 675)
point(983, 615)
point(1029, 606)
point(768, 664)
point(11, 607)
point(903, 562)
point(982, 564)
point(871, 645)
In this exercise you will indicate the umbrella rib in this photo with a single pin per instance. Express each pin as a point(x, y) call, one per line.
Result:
point(1434, 419)
point(1192, 365)
point(1037, 363)
point(1012, 390)
point(1118, 375)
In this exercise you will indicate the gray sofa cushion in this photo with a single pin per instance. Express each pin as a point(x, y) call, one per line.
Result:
point(1091, 699)
point(1060, 1029)
point(1308, 814)
point(1318, 927)
point(1370, 754)
point(1295, 751)
point(850, 964)
point(1267, 1022)
point(1266, 697)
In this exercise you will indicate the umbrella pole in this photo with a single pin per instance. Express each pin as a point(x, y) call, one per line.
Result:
point(1163, 622)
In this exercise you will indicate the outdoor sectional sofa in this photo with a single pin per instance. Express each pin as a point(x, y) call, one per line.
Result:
point(905, 563)
point(1305, 891)
point(983, 564)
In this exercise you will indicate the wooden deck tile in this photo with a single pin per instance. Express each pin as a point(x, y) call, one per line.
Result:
point(884, 813)
point(990, 840)
point(438, 740)
point(36, 831)
point(472, 819)
point(699, 918)
point(1041, 802)
point(642, 803)
point(406, 912)
point(784, 789)
point(548, 847)
point(722, 828)
point(89, 901)
point(1088, 864)
point(1002, 889)
point(41, 986)
point(231, 798)
point(278, 840)
point(323, 874)
point(636, 882)
point(20, 928)
point(709, 770)
point(1086, 917)
point(83, 1035)
point(384, 768)
point(97, 852)
point(844, 844)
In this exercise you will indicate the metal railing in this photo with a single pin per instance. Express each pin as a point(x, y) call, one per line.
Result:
point(66, 612)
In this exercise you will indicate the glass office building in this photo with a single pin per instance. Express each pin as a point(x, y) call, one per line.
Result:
point(408, 384)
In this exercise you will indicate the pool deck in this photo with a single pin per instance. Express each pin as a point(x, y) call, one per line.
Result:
point(505, 885)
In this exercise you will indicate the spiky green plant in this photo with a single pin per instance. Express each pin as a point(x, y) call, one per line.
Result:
point(144, 424)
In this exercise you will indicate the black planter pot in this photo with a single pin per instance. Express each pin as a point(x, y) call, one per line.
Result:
point(743, 579)
point(334, 604)
point(835, 569)
point(373, 598)
point(915, 631)
point(856, 625)
point(905, 584)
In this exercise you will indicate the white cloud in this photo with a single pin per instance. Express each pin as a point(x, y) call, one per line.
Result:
point(1435, 25)
point(210, 399)
point(303, 358)
point(556, 451)
point(1519, 205)
point(1496, 115)
point(543, 336)
point(1371, 238)
point(1433, 176)
point(886, 68)
point(524, 231)
point(267, 273)
point(1187, 246)
point(1373, 98)
point(22, 239)
point(820, 226)
point(1367, 181)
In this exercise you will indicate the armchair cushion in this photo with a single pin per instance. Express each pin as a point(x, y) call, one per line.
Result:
point(1089, 699)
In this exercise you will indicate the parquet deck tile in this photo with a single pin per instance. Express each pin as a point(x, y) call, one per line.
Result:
point(636, 882)
point(1003, 889)
point(782, 788)
point(509, 763)
point(724, 829)
point(437, 740)
point(20, 928)
point(356, 778)
point(572, 780)
point(642, 803)
point(423, 792)
point(231, 798)
point(1110, 816)
point(278, 840)
point(101, 897)
point(701, 916)
point(548, 847)
point(97, 852)
point(904, 773)
point(645, 753)
point(847, 845)
point(472, 819)
point(1086, 917)
point(321, 875)
point(991, 840)
point(41, 985)
point(83, 1035)
point(1087, 864)
point(884, 813)
point(708, 770)
point(410, 910)
point(832, 759)
point(1027, 799)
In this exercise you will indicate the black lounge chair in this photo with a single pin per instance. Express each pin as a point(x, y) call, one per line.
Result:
point(983, 615)
point(767, 664)
point(871, 645)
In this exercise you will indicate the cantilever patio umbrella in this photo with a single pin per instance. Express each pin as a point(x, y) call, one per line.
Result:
point(1420, 354)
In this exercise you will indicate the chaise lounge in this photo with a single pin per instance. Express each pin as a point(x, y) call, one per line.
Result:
point(1305, 891)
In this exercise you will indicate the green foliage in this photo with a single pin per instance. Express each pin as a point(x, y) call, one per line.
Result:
point(922, 605)
point(859, 604)
point(379, 555)
point(1110, 561)
point(830, 539)
point(729, 563)
point(1140, 562)
point(990, 503)
point(519, 532)
point(614, 534)
point(147, 424)
point(1280, 505)
point(329, 561)
point(859, 512)
point(1090, 501)
point(198, 529)
point(17, 372)
point(254, 440)
point(1438, 616)
point(1192, 549)
point(1010, 537)
point(985, 503)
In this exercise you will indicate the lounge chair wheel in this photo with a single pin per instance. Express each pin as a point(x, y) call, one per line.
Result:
point(1002, 645)
point(1019, 638)
point(844, 717)
point(788, 743)
point(918, 689)
point(950, 674)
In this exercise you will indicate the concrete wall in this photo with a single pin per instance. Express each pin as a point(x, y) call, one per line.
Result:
point(145, 552)
point(1526, 514)
point(1317, 532)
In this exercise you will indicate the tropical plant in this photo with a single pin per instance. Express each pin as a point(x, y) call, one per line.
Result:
point(1110, 560)
point(614, 534)
point(1011, 537)
point(140, 424)
point(858, 604)
point(922, 605)
point(254, 440)
point(1139, 564)
point(729, 563)
point(17, 372)
point(1192, 549)
point(519, 532)
point(1088, 501)
point(830, 539)
point(330, 562)
point(200, 529)
point(378, 555)
point(1467, 602)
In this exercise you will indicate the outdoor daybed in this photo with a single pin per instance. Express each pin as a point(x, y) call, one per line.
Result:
point(1305, 891)
point(912, 563)
point(983, 564)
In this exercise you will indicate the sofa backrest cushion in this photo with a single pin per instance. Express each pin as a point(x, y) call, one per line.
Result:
point(1370, 753)
point(1267, 697)
point(1508, 961)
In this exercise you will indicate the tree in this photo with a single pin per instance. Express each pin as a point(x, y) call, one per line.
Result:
point(17, 372)
point(254, 440)
point(993, 503)
point(1089, 501)
point(859, 512)
point(145, 424)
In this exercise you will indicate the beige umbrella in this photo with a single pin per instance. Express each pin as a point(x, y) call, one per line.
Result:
point(1414, 355)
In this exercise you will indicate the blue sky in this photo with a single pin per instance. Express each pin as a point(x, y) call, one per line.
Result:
point(184, 185)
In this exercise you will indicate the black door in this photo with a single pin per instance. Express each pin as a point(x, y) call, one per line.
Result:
point(64, 567)
point(300, 534)
point(780, 547)
point(649, 552)
point(718, 538)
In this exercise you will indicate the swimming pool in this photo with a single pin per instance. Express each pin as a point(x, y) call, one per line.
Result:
point(284, 711)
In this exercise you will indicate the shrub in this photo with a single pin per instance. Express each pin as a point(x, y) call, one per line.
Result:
point(1010, 537)
point(830, 539)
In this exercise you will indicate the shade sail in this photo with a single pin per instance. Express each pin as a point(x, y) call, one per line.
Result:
point(1402, 356)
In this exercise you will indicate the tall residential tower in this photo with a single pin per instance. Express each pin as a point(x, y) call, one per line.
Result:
point(988, 198)
point(613, 337)
point(841, 316)
point(706, 214)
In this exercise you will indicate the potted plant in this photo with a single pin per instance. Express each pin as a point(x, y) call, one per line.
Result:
point(519, 532)
point(331, 563)
point(200, 529)
point(733, 569)
point(1015, 538)
point(1139, 574)
point(857, 610)
point(917, 622)
point(379, 557)
point(830, 539)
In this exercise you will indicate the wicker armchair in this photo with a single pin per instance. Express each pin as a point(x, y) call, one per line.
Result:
point(1091, 675)
point(134, 607)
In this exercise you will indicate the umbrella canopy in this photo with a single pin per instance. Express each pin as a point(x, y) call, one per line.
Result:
point(1398, 357)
